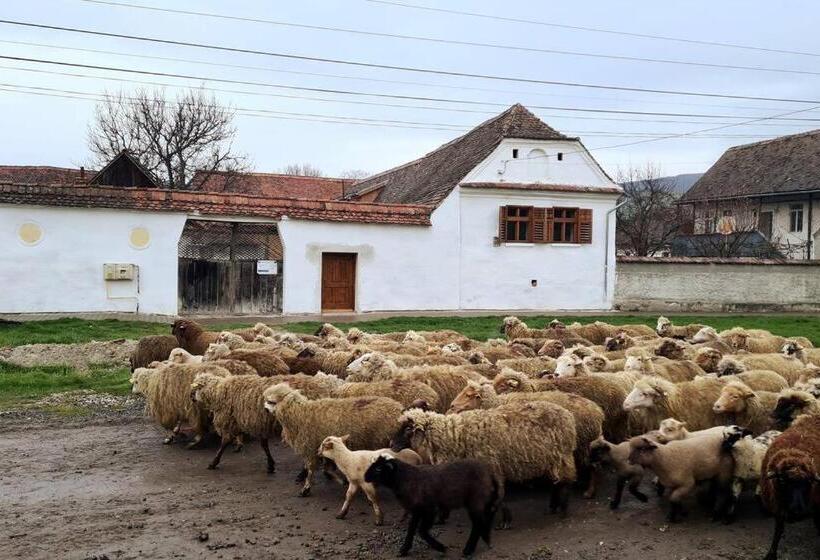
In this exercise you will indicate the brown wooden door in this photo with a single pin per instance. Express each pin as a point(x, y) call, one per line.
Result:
point(338, 281)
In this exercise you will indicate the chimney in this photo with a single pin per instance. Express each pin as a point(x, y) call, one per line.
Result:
point(82, 173)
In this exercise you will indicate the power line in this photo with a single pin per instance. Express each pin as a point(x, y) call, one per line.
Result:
point(497, 46)
point(340, 119)
point(359, 93)
point(593, 29)
point(451, 73)
point(370, 79)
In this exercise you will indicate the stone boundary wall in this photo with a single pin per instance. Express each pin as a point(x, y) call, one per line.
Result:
point(696, 284)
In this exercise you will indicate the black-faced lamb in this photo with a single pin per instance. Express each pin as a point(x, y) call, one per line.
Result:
point(424, 490)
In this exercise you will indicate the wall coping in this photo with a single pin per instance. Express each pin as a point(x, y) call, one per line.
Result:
point(716, 260)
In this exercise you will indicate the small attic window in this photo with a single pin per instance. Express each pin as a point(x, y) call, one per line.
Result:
point(515, 153)
point(560, 156)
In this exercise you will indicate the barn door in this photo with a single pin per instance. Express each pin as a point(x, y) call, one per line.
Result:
point(230, 268)
point(338, 281)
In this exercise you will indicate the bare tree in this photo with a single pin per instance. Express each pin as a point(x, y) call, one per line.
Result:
point(354, 174)
point(304, 169)
point(729, 228)
point(649, 218)
point(172, 138)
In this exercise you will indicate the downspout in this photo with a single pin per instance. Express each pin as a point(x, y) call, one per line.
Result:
point(606, 248)
point(808, 230)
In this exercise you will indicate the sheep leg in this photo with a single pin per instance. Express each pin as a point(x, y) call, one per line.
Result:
point(779, 527)
point(731, 504)
point(302, 475)
point(476, 530)
point(305, 491)
point(373, 497)
point(443, 514)
point(238, 443)
point(268, 456)
point(195, 442)
point(424, 531)
point(633, 489)
point(218, 457)
point(415, 519)
point(559, 499)
point(619, 492)
point(170, 438)
point(594, 480)
point(352, 489)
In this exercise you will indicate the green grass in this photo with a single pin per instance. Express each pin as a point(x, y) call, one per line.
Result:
point(20, 384)
point(481, 328)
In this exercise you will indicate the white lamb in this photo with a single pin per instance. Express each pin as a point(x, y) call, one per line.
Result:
point(354, 464)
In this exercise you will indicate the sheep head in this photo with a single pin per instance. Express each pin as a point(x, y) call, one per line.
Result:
point(671, 429)
point(309, 351)
point(641, 449)
point(216, 351)
point(413, 424)
point(201, 383)
point(511, 381)
point(791, 349)
point(333, 444)
point(139, 379)
point(382, 472)
point(370, 366)
point(510, 323)
point(733, 397)
point(263, 329)
point(664, 326)
point(790, 404)
point(556, 324)
point(671, 349)
point(179, 356)
point(552, 348)
point(470, 398)
point(706, 334)
point(730, 366)
point(793, 478)
point(579, 350)
point(599, 451)
point(327, 330)
point(738, 340)
point(477, 357)
point(647, 393)
point(596, 363)
point(355, 336)
point(570, 365)
point(277, 394)
point(413, 336)
point(708, 359)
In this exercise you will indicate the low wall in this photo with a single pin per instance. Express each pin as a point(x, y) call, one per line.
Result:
point(708, 284)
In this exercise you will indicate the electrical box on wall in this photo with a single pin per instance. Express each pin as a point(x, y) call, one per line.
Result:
point(119, 271)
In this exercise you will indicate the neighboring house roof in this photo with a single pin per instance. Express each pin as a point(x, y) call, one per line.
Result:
point(43, 174)
point(125, 170)
point(271, 184)
point(192, 202)
point(783, 165)
point(429, 179)
point(548, 187)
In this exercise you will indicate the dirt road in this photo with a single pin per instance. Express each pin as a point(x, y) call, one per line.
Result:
point(114, 492)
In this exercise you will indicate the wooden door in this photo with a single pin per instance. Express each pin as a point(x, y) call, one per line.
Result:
point(338, 281)
point(764, 224)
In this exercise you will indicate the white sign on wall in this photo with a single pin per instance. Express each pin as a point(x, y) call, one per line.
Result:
point(267, 267)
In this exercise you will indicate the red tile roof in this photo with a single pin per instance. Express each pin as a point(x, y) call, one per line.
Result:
point(546, 187)
point(272, 184)
point(44, 174)
point(135, 198)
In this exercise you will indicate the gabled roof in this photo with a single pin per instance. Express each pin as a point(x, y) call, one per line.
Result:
point(212, 204)
point(125, 170)
point(271, 184)
point(43, 174)
point(429, 179)
point(782, 165)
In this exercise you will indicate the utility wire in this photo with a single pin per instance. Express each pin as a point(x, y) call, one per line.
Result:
point(359, 64)
point(370, 79)
point(593, 29)
point(497, 46)
point(357, 93)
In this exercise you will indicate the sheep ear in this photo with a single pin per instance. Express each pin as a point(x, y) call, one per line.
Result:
point(345, 437)
point(649, 443)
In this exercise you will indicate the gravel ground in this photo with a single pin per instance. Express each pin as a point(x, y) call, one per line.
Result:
point(79, 356)
point(104, 487)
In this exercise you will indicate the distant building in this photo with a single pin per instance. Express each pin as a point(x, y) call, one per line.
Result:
point(772, 187)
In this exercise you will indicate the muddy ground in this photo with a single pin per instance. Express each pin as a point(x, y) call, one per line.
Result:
point(106, 488)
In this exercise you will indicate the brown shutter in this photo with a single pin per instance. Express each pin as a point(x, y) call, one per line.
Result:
point(584, 225)
point(502, 224)
point(539, 218)
point(549, 217)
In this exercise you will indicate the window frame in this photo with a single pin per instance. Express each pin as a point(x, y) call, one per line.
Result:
point(796, 218)
point(516, 221)
point(573, 222)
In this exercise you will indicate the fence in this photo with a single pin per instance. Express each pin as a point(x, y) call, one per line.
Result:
point(710, 285)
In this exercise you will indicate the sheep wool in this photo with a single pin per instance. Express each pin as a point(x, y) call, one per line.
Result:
point(403, 391)
point(155, 348)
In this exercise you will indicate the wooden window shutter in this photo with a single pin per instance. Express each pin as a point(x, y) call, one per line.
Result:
point(539, 225)
point(584, 225)
point(549, 217)
point(502, 224)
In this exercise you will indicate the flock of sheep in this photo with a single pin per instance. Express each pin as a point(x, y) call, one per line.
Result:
point(446, 421)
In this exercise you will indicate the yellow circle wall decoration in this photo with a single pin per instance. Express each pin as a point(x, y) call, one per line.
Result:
point(30, 233)
point(140, 238)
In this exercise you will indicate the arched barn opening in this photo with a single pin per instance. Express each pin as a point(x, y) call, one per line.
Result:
point(230, 268)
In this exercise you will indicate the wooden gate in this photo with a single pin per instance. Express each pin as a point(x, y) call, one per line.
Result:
point(219, 268)
point(338, 281)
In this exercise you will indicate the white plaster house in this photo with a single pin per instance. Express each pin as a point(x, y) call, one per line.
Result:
point(772, 187)
point(512, 215)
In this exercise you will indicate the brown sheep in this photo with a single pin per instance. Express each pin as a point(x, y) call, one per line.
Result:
point(192, 337)
point(154, 348)
point(403, 391)
point(790, 481)
point(745, 407)
point(266, 362)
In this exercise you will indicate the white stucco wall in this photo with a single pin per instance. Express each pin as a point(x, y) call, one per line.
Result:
point(63, 272)
point(398, 267)
point(781, 222)
point(576, 168)
point(568, 276)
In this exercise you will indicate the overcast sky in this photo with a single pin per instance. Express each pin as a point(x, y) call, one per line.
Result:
point(47, 130)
